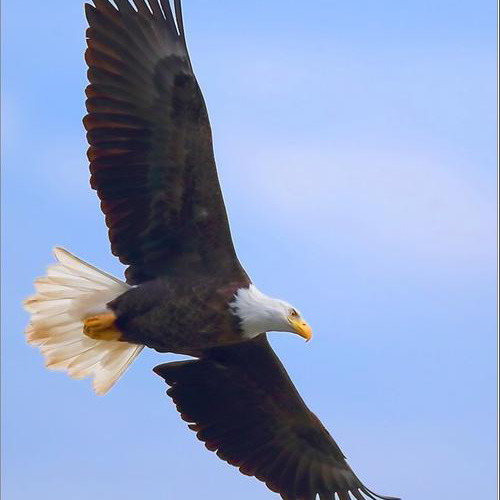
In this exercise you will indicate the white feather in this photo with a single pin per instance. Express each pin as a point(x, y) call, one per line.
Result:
point(84, 365)
point(111, 368)
point(259, 313)
point(71, 291)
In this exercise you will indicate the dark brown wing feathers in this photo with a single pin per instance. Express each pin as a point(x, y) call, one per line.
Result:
point(151, 155)
point(152, 164)
point(241, 403)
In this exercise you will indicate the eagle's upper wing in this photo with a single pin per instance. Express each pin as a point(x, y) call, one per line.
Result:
point(242, 404)
point(151, 155)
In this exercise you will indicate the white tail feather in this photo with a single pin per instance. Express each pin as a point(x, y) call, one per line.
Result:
point(71, 291)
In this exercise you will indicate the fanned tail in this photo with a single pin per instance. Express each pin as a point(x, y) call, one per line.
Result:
point(71, 291)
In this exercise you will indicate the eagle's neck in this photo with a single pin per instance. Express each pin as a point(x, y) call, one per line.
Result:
point(257, 312)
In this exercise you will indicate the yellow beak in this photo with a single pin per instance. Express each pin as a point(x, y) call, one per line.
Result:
point(300, 327)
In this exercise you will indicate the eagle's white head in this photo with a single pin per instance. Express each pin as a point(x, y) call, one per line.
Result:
point(259, 313)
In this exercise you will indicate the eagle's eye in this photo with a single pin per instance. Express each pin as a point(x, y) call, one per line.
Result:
point(293, 313)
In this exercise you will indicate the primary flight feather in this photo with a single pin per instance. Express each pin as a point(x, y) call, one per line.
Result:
point(153, 167)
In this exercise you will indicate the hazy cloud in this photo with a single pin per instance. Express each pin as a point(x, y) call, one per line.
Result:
point(401, 198)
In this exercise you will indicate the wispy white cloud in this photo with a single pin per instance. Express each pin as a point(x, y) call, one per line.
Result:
point(402, 199)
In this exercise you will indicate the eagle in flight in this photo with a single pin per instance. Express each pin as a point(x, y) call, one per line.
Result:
point(152, 165)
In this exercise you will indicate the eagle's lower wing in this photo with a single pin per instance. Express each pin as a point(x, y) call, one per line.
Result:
point(151, 155)
point(242, 404)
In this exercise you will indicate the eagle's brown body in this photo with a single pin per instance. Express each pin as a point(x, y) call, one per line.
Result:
point(181, 315)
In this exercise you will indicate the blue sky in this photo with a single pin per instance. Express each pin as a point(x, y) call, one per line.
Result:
point(356, 149)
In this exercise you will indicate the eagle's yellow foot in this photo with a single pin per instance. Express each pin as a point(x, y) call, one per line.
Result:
point(102, 327)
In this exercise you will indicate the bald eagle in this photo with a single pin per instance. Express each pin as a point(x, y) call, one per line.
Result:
point(153, 167)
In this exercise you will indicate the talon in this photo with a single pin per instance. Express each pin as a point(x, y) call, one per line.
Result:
point(102, 327)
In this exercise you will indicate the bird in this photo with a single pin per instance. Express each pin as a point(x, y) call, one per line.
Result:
point(153, 168)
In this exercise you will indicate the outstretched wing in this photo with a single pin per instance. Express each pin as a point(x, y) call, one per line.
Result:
point(242, 404)
point(151, 155)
